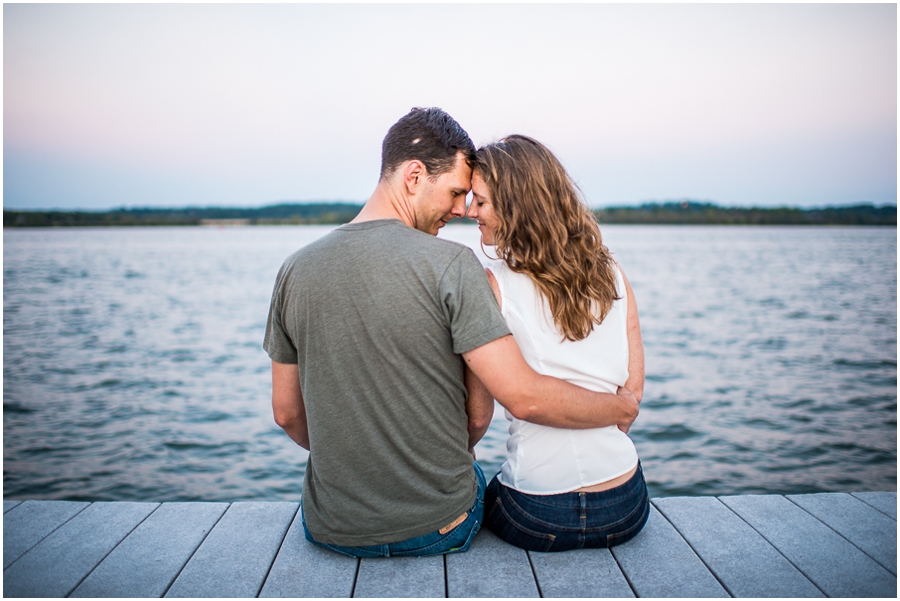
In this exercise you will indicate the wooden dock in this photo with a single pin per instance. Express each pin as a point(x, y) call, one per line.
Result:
point(814, 545)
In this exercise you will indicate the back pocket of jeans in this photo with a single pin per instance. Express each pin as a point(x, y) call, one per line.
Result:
point(506, 527)
point(617, 538)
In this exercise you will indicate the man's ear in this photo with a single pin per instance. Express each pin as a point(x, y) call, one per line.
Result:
point(413, 173)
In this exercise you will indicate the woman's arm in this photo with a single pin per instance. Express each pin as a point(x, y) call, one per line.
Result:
point(635, 382)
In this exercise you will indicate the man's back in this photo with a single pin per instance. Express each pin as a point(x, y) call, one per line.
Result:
point(376, 315)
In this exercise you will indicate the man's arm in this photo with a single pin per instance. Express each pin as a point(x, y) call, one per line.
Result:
point(544, 400)
point(479, 408)
point(287, 402)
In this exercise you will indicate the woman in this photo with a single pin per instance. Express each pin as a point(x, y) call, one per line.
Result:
point(572, 313)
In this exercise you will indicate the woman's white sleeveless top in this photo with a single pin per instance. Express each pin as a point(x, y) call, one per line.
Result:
point(543, 460)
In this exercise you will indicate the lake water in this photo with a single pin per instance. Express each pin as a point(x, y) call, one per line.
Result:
point(133, 366)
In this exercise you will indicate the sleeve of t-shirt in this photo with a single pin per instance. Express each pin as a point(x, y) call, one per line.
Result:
point(473, 312)
point(277, 343)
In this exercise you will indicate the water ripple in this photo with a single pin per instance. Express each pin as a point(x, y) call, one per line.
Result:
point(133, 367)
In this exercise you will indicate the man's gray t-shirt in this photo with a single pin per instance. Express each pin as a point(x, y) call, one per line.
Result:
point(376, 315)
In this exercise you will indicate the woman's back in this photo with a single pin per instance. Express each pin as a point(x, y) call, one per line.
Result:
point(544, 460)
point(573, 315)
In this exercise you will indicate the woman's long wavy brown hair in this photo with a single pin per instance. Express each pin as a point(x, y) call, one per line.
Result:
point(547, 232)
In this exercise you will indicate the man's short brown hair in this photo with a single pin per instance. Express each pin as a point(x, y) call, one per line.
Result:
point(429, 135)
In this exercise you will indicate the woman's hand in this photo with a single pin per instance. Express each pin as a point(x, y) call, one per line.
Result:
point(629, 398)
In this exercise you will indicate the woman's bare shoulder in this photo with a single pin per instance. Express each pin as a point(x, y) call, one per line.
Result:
point(495, 286)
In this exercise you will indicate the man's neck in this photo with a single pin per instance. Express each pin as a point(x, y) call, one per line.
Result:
point(387, 203)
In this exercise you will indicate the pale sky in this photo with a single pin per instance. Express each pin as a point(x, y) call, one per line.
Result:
point(246, 105)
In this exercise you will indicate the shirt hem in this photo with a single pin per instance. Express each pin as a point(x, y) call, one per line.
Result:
point(484, 338)
point(280, 358)
point(568, 490)
point(392, 537)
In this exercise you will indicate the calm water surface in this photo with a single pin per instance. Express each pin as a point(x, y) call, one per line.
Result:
point(133, 366)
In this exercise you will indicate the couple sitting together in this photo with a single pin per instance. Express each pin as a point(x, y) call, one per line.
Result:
point(389, 346)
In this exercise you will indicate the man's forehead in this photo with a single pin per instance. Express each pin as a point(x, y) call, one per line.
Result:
point(461, 175)
point(463, 163)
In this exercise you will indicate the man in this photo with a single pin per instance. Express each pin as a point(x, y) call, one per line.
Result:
point(370, 330)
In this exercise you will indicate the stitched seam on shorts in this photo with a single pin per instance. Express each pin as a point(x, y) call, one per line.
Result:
point(550, 538)
point(638, 507)
point(532, 518)
point(639, 524)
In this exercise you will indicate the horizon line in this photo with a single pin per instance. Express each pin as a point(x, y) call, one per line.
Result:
point(635, 205)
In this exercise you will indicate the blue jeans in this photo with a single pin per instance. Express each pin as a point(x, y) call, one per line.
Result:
point(433, 543)
point(572, 520)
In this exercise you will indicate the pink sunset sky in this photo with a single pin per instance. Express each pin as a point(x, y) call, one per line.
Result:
point(112, 105)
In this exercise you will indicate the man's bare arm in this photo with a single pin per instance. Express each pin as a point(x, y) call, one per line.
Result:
point(479, 408)
point(544, 400)
point(287, 402)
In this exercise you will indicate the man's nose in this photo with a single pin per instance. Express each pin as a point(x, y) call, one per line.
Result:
point(459, 208)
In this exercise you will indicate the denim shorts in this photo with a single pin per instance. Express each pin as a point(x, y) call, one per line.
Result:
point(572, 520)
point(433, 543)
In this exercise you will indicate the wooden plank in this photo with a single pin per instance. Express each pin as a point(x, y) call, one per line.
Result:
point(885, 502)
point(873, 533)
point(390, 577)
point(490, 568)
point(55, 566)
point(150, 558)
point(235, 558)
point(837, 567)
point(51, 545)
point(31, 522)
point(742, 560)
point(302, 569)
point(579, 573)
point(659, 563)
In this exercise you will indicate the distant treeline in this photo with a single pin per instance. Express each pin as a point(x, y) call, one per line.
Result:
point(681, 212)
point(296, 214)
point(704, 213)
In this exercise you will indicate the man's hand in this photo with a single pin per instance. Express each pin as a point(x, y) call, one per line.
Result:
point(628, 398)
